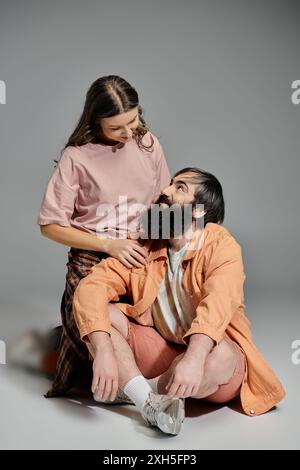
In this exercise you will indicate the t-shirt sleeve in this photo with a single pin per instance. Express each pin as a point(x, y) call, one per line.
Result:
point(163, 175)
point(61, 192)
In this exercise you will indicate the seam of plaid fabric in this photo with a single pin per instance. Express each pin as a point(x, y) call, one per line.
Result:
point(72, 352)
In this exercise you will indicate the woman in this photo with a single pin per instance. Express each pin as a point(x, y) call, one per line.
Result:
point(110, 159)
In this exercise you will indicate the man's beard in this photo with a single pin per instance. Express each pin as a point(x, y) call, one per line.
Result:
point(161, 222)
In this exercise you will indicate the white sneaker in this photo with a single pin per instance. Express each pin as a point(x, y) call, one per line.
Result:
point(164, 412)
point(121, 398)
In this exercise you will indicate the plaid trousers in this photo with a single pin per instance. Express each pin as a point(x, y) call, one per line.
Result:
point(73, 364)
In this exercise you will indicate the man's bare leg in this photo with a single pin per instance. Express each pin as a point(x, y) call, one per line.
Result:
point(219, 367)
point(163, 412)
point(127, 367)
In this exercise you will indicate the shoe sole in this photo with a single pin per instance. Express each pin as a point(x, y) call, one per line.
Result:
point(170, 420)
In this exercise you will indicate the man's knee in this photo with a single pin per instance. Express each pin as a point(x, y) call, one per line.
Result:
point(118, 320)
point(221, 362)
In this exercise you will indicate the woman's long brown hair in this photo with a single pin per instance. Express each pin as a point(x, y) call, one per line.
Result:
point(108, 96)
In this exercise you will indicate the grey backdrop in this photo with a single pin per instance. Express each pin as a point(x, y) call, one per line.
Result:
point(214, 79)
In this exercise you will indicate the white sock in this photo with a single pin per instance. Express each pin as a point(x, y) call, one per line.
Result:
point(153, 383)
point(137, 389)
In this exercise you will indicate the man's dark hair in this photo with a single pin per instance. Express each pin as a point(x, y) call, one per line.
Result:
point(209, 193)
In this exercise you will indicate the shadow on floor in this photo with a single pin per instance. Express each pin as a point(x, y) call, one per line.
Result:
point(80, 400)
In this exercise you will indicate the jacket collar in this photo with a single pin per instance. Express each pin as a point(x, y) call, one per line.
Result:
point(159, 248)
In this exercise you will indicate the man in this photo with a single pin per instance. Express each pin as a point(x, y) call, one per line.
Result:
point(185, 333)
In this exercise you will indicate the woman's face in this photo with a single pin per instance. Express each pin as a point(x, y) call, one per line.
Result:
point(120, 128)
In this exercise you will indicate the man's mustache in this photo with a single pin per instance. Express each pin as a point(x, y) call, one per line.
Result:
point(165, 222)
point(163, 199)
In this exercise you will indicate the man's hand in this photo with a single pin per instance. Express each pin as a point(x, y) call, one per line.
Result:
point(105, 373)
point(189, 370)
point(186, 377)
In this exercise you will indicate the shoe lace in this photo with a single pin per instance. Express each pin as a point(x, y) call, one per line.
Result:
point(151, 406)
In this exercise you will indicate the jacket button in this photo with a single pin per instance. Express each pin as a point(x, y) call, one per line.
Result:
point(252, 412)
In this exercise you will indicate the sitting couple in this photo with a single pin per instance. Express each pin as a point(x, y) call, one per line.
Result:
point(184, 332)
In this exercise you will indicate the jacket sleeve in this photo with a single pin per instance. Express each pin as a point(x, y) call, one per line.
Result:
point(106, 282)
point(221, 293)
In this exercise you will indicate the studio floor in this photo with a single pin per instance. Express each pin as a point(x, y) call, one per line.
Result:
point(30, 421)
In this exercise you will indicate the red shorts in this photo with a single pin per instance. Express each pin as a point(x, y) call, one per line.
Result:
point(154, 355)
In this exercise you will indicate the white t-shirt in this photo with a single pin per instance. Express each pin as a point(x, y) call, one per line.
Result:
point(172, 310)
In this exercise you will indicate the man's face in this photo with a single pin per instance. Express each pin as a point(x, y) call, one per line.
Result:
point(181, 190)
point(172, 213)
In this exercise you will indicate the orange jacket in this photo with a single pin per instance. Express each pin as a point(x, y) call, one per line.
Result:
point(213, 277)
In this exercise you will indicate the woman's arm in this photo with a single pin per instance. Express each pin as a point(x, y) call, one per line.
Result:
point(129, 252)
point(75, 238)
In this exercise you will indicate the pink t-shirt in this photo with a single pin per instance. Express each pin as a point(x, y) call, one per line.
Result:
point(101, 188)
